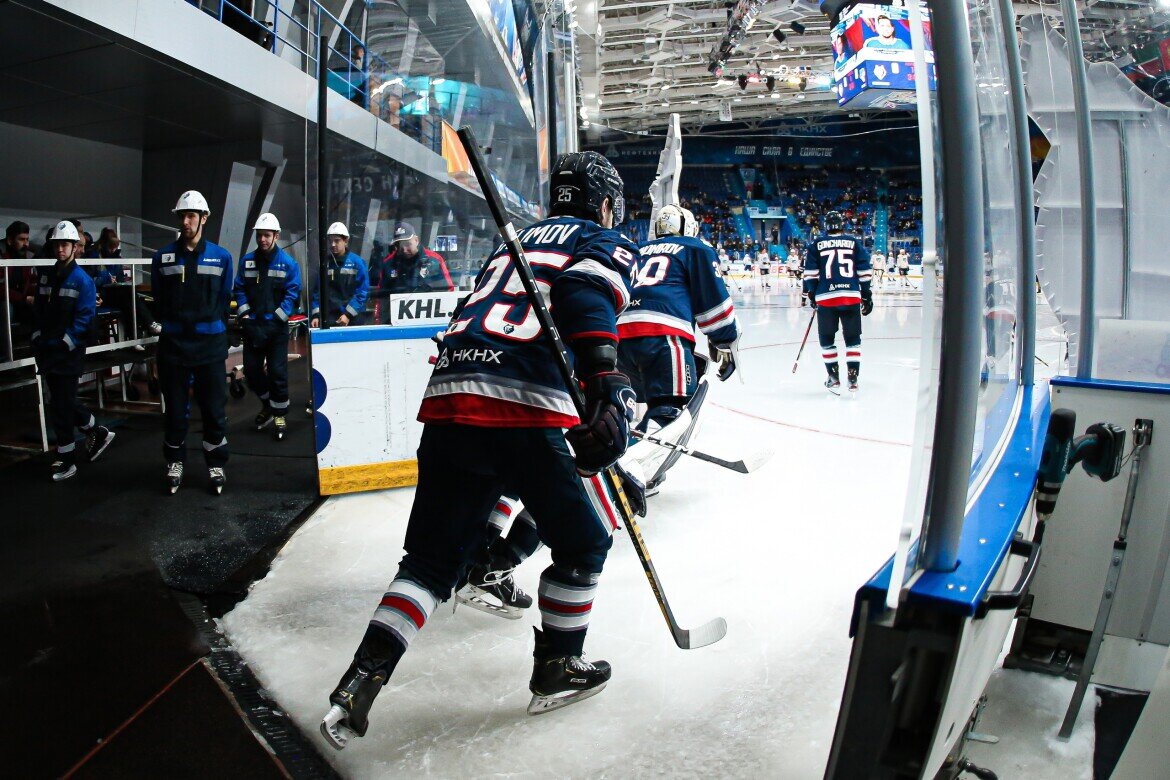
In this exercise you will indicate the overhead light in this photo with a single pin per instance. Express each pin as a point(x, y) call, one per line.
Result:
point(665, 103)
point(739, 100)
point(438, 81)
point(800, 96)
point(775, 95)
point(628, 90)
point(665, 86)
point(583, 114)
point(590, 94)
point(761, 96)
point(650, 39)
point(694, 102)
point(775, 56)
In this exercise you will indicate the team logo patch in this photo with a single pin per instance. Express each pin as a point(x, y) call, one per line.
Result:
point(509, 328)
point(250, 264)
point(422, 272)
point(168, 257)
point(627, 399)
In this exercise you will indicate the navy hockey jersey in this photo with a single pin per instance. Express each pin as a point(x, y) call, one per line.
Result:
point(495, 368)
point(676, 287)
point(837, 271)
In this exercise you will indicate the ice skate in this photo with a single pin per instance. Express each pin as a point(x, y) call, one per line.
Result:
point(216, 479)
point(62, 470)
point(492, 589)
point(352, 699)
point(262, 419)
point(852, 380)
point(833, 385)
point(97, 440)
point(560, 680)
point(174, 477)
point(280, 427)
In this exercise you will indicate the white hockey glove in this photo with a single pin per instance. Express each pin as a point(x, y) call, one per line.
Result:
point(724, 357)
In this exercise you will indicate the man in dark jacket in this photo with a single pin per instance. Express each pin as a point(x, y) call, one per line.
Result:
point(63, 311)
point(411, 267)
point(191, 282)
point(267, 289)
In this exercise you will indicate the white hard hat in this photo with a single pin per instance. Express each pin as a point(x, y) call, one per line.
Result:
point(267, 221)
point(191, 200)
point(64, 231)
point(671, 221)
point(690, 224)
point(337, 229)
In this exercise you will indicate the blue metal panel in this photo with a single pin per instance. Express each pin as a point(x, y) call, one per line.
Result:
point(1111, 384)
point(358, 333)
point(988, 528)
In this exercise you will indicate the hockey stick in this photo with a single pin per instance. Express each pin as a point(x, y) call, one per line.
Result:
point(711, 631)
point(745, 466)
point(804, 341)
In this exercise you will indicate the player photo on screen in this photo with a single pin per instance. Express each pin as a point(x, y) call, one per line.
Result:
point(888, 34)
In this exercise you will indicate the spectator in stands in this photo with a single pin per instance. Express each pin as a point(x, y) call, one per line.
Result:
point(115, 289)
point(359, 77)
point(411, 267)
point(63, 312)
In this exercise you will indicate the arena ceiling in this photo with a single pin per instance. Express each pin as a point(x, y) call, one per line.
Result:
point(642, 61)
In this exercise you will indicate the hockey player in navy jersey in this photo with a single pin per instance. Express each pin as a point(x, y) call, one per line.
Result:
point(675, 288)
point(836, 283)
point(494, 415)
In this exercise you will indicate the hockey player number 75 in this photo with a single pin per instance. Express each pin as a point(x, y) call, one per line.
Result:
point(844, 259)
point(500, 319)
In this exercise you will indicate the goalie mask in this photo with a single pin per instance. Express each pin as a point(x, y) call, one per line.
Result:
point(581, 181)
point(675, 221)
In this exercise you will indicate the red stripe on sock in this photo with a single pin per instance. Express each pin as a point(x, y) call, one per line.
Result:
point(406, 607)
point(548, 605)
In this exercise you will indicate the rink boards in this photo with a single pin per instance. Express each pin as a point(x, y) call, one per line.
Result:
point(368, 382)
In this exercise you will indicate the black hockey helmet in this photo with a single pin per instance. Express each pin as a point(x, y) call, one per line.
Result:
point(580, 183)
point(834, 222)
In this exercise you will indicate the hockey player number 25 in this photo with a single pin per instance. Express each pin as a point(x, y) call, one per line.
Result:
point(500, 319)
point(844, 260)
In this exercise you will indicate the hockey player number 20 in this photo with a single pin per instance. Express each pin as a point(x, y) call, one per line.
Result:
point(500, 319)
point(652, 271)
point(844, 260)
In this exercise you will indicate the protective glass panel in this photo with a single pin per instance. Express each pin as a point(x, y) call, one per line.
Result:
point(1127, 91)
point(999, 380)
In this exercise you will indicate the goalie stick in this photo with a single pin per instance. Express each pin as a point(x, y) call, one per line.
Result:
point(744, 466)
point(687, 639)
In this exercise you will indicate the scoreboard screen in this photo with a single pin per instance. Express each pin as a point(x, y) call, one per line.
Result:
point(873, 61)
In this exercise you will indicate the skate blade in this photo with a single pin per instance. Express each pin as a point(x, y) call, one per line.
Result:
point(333, 728)
point(264, 425)
point(542, 704)
point(835, 391)
point(173, 489)
point(478, 599)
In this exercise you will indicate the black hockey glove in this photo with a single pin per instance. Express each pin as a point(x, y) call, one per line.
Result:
point(632, 486)
point(808, 300)
point(866, 304)
point(724, 358)
point(604, 433)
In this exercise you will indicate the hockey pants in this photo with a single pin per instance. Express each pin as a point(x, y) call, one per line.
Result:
point(849, 319)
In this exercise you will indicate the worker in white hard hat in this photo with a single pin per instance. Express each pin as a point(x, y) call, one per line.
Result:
point(268, 291)
point(191, 282)
point(63, 311)
point(347, 283)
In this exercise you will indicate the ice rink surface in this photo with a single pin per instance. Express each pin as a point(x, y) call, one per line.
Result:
point(779, 553)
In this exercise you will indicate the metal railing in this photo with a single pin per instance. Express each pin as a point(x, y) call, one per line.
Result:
point(352, 77)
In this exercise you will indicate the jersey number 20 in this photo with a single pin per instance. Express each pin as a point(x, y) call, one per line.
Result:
point(652, 271)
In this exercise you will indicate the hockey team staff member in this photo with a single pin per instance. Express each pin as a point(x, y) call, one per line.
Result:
point(412, 267)
point(494, 416)
point(836, 284)
point(62, 312)
point(674, 289)
point(191, 282)
point(347, 281)
point(267, 290)
point(878, 262)
point(903, 268)
point(764, 261)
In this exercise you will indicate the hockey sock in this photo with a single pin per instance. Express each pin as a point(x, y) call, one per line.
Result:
point(853, 358)
point(521, 542)
point(830, 356)
point(402, 612)
point(566, 601)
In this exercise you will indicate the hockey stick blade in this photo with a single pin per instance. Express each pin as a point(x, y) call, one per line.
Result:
point(707, 634)
point(745, 466)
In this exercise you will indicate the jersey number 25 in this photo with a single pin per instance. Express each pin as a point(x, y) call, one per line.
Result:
point(500, 319)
